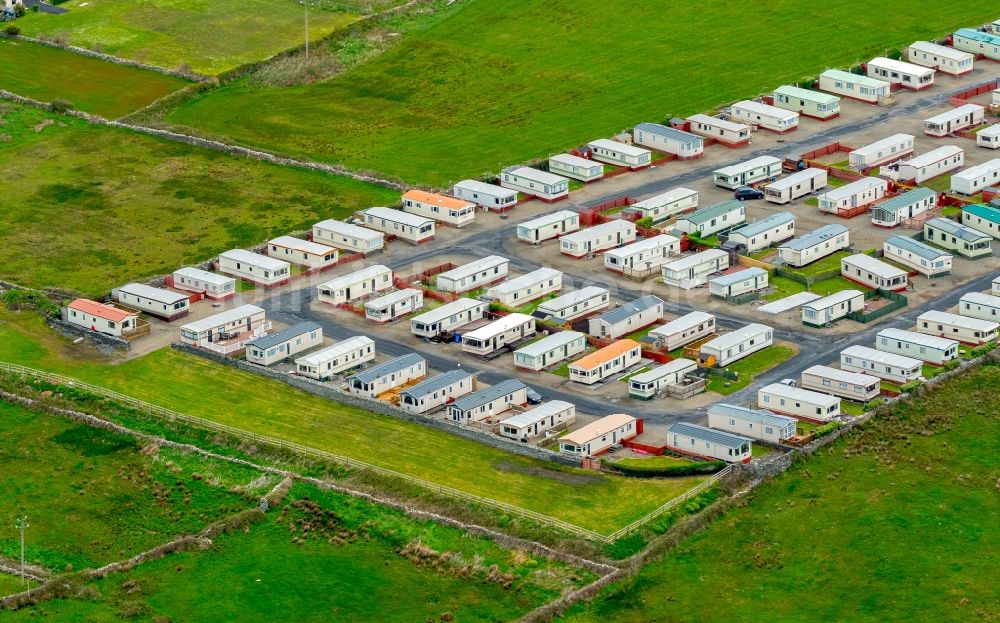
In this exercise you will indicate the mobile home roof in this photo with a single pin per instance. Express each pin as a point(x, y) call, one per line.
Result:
point(766, 109)
point(854, 188)
point(449, 309)
point(574, 161)
point(500, 325)
point(549, 219)
point(605, 354)
point(908, 198)
point(359, 275)
point(667, 197)
point(934, 155)
point(437, 199)
point(757, 416)
point(537, 175)
point(804, 395)
point(230, 315)
point(204, 275)
point(596, 429)
point(983, 211)
point(958, 230)
point(254, 259)
point(599, 230)
point(765, 224)
point(719, 437)
point(349, 229)
point(487, 189)
point(941, 50)
point(833, 299)
point(389, 367)
point(920, 339)
point(901, 66)
point(332, 352)
point(954, 113)
point(550, 342)
point(282, 336)
point(476, 266)
point(307, 246)
point(568, 300)
point(889, 141)
point(874, 266)
point(732, 126)
point(672, 367)
point(979, 170)
point(159, 295)
point(630, 309)
point(671, 133)
point(537, 414)
point(746, 165)
point(398, 216)
point(841, 376)
point(733, 338)
point(845, 76)
point(795, 178)
point(628, 150)
point(991, 131)
point(100, 310)
point(392, 297)
point(980, 298)
point(705, 215)
point(974, 324)
point(683, 323)
point(815, 237)
point(977, 35)
point(916, 247)
point(662, 240)
point(528, 279)
point(488, 395)
point(807, 94)
point(738, 276)
point(436, 383)
point(878, 356)
point(700, 257)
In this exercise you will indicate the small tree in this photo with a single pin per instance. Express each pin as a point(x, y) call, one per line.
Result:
point(60, 105)
point(19, 10)
point(11, 30)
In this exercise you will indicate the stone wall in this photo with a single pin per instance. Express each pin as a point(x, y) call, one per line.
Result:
point(99, 339)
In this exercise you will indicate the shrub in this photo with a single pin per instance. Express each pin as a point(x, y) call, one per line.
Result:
point(671, 471)
point(909, 386)
point(29, 300)
point(19, 10)
point(951, 365)
point(826, 429)
point(60, 105)
point(11, 30)
point(645, 223)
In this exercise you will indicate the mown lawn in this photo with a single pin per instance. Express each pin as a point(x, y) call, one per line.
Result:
point(127, 206)
point(749, 367)
point(91, 85)
point(784, 286)
point(653, 461)
point(897, 522)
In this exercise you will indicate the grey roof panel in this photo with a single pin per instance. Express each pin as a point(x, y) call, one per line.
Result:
point(760, 416)
point(671, 133)
point(471, 401)
point(814, 237)
point(728, 440)
point(436, 383)
point(288, 333)
point(629, 309)
point(389, 367)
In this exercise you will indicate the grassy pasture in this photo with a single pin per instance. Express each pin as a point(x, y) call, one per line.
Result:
point(749, 367)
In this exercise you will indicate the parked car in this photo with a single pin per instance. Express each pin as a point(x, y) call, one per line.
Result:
point(747, 193)
point(533, 397)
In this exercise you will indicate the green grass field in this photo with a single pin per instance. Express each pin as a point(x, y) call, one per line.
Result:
point(489, 86)
point(10, 584)
point(897, 522)
point(91, 85)
point(749, 367)
point(128, 206)
point(783, 286)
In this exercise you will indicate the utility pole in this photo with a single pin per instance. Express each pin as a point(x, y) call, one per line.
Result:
point(305, 5)
point(21, 523)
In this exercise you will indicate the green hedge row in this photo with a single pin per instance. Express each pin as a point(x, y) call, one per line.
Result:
point(671, 471)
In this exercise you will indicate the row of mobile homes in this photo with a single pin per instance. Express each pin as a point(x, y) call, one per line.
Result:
point(548, 226)
point(872, 273)
point(394, 305)
point(814, 104)
point(619, 154)
point(764, 232)
point(977, 42)
point(527, 287)
point(699, 441)
point(449, 317)
point(537, 183)
point(576, 167)
point(647, 385)
point(798, 184)
point(740, 282)
point(965, 329)
point(847, 385)
point(165, 304)
point(681, 331)
point(489, 403)
point(212, 285)
point(441, 208)
point(753, 423)
point(940, 57)
point(989, 137)
point(815, 245)
point(669, 140)
point(887, 366)
point(764, 116)
point(854, 86)
point(322, 364)
point(245, 320)
point(644, 255)
point(476, 274)
point(912, 203)
point(726, 132)
point(721, 216)
point(347, 236)
point(550, 350)
point(534, 422)
point(823, 311)
point(976, 178)
point(597, 238)
point(355, 286)
point(982, 217)
point(102, 318)
point(923, 258)
point(489, 196)
point(599, 436)
point(906, 75)
point(613, 359)
point(979, 305)
point(663, 206)
point(627, 318)
point(281, 345)
point(387, 376)
point(880, 152)
point(576, 304)
point(504, 331)
point(930, 348)
point(850, 199)
point(302, 252)
point(406, 226)
point(961, 239)
point(921, 168)
point(748, 172)
point(958, 118)
point(798, 402)
point(694, 270)
point(436, 391)
point(736, 345)
point(254, 267)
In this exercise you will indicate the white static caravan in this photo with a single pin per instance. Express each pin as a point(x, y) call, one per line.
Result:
point(646, 385)
point(537, 421)
point(612, 359)
point(995, 286)
point(347, 236)
point(872, 273)
point(394, 305)
point(965, 329)
point(619, 154)
point(441, 208)
point(765, 116)
point(798, 184)
point(597, 238)
point(961, 239)
point(576, 304)
point(694, 270)
point(476, 274)
point(747, 172)
point(880, 152)
point(679, 332)
point(302, 252)
point(695, 440)
point(741, 282)
point(930, 348)
point(449, 317)
point(940, 57)
point(535, 182)
point(646, 254)
point(721, 216)
point(158, 302)
point(550, 350)
point(854, 197)
point(489, 196)
point(270, 349)
point(979, 305)
point(926, 166)
point(344, 355)
point(598, 436)
point(977, 42)
point(436, 391)
point(831, 308)
point(254, 267)
point(727, 132)
point(976, 178)
point(815, 245)
point(218, 327)
point(982, 217)
point(893, 212)
point(958, 118)
point(797, 402)
point(753, 423)
point(807, 103)
point(527, 287)
point(506, 330)
point(887, 366)
point(490, 402)
point(764, 232)
point(387, 376)
point(736, 345)
point(406, 226)
point(906, 75)
point(855, 86)
point(103, 318)
point(212, 285)
point(923, 258)
point(356, 285)
point(627, 318)
point(848, 385)
point(548, 226)
point(663, 206)
point(576, 167)
point(669, 140)
point(989, 137)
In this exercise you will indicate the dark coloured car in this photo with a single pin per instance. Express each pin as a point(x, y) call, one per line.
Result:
point(533, 396)
point(747, 193)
